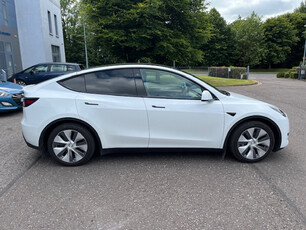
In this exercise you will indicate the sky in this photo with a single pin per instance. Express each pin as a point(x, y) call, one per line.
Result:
point(231, 9)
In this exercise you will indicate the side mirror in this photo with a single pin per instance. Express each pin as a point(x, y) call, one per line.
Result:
point(32, 72)
point(206, 96)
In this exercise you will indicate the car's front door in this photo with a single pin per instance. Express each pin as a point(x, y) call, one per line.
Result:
point(177, 116)
point(111, 104)
point(37, 74)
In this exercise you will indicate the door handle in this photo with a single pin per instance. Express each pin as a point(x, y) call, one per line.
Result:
point(158, 107)
point(88, 103)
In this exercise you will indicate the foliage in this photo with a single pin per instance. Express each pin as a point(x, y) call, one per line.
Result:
point(280, 36)
point(72, 31)
point(220, 48)
point(297, 20)
point(280, 75)
point(157, 30)
point(249, 35)
point(302, 8)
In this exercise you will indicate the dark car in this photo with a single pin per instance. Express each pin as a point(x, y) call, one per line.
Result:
point(44, 71)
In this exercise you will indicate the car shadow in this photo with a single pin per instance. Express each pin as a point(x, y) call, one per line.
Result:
point(10, 113)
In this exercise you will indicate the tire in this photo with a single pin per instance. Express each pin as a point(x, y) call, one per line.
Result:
point(71, 144)
point(19, 82)
point(251, 141)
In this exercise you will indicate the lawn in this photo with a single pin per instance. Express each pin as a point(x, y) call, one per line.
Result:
point(216, 81)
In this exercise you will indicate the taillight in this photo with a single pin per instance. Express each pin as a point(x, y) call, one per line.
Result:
point(29, 101)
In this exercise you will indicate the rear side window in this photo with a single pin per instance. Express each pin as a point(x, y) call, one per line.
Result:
point(75, 83)
point(58, 68)
point(112, 82)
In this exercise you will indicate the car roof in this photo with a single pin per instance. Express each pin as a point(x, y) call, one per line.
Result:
point(57, 63)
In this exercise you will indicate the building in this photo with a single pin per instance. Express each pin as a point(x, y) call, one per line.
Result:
point(30, 33)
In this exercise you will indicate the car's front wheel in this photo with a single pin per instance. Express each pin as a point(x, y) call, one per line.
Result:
point(71, 144)
point(251, 141)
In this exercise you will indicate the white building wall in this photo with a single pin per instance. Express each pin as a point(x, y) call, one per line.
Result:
point(53, 6)
point(33, 28)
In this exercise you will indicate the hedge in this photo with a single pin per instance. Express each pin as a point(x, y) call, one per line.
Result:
point(292, 73)
point(235, 72)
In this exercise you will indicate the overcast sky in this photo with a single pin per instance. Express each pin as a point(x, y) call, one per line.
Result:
point(231, 9)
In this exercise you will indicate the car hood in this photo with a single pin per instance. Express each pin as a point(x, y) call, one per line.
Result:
point(10, 87)
point(240, 97)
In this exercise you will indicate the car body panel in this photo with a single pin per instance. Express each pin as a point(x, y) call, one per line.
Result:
point(14, 97)
point(132, 122)
point(36, 77)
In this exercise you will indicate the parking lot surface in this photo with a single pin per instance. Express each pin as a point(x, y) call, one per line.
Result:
point(160, 190)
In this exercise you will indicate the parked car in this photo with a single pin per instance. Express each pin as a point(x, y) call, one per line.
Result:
point(146, 106)
point(44, 71)
point(11, 96)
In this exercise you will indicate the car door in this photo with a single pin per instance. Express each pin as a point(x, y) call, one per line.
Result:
point(37, 74)
point(177, 116)
point(111, 104)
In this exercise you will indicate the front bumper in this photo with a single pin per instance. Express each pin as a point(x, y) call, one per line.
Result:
point(12, 102)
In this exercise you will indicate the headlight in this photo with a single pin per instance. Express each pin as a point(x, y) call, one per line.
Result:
point(4, 94)
point(278, 110)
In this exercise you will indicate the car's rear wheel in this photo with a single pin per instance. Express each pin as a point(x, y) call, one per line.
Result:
point(71, 144)
point(19, 82)
point(251, 141)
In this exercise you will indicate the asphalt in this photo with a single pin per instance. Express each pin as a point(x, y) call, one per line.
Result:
point(160, 190)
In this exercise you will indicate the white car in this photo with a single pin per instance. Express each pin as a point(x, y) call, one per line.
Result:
point(146, 106)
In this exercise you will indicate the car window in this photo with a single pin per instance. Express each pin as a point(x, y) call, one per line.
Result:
point(75, 83)
point(29, 69)
point(71, 68)
point(58, 68)
point(111, 82)
point(164, 84)
point(81, 66)
point(40, 69)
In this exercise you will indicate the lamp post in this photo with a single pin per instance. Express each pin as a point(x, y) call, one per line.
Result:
point(304, 50)
point(86, 57)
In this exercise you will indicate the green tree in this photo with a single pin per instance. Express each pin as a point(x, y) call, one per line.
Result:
point(152, 30)
point(302, 8)
point(219, 50)
point(297, 20)
point(72, 31)
point(280, 36)
point(249, 35)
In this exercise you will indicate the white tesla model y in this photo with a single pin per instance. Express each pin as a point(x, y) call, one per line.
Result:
point(146, 106)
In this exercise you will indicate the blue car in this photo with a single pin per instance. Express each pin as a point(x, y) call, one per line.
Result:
point(44, 71)
point(11, 96)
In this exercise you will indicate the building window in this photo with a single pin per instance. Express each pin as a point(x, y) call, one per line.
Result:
point(55, 23)
point(4, 13)
point(56, 57)
point(50, 23)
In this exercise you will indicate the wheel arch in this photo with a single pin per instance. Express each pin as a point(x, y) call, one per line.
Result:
point(46, 131)
point(274, 127)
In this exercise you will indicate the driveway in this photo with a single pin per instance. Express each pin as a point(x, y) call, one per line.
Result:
point(161, 190)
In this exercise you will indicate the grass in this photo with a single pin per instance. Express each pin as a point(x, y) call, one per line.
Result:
point(216, 81)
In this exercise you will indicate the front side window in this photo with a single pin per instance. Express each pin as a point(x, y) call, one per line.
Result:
point(162, 84)
point(40, 69)
point(111, 82)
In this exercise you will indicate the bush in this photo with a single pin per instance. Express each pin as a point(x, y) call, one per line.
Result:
point(294, 75)
point(286, 75)
point(236, 72)
point(280, 75)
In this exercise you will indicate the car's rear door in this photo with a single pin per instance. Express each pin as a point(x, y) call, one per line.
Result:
point(177, 116)
point(111, 104)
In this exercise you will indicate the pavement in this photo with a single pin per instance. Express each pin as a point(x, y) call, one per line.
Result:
point(160, 190)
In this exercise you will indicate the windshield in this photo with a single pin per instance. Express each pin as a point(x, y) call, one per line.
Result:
point(219, 90)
